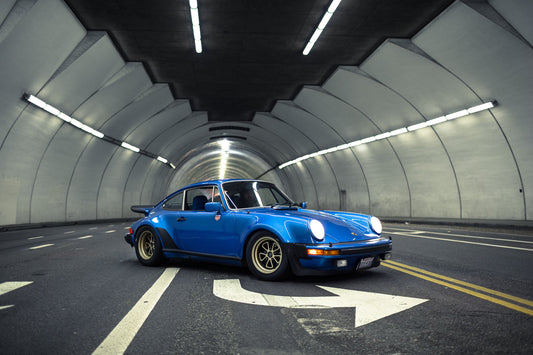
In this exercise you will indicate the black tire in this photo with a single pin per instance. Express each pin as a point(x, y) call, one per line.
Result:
point(266, 256)
point(148, 247)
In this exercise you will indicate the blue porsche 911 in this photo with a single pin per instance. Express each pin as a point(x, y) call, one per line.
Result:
point(252, 223)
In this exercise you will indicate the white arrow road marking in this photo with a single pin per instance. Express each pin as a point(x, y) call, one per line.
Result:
point(369, 306)
point(9, 286)
point(6, 287)
point(120, 338)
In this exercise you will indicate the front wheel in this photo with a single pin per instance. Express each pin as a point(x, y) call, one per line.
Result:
point(266, 257)
point(148, 247)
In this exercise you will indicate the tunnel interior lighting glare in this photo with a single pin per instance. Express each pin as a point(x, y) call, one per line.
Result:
point(56, 112)
point(396, 132)
point(195, 21)
point(321, 26)
point(225, 150)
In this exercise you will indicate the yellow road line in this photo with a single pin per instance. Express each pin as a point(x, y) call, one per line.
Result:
point(420, 274)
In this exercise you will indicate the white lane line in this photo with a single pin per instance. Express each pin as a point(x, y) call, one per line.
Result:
point(86, 237)
point(468, 236)
point(33, 238)
point(92, 228)
point(41, 246)
point(9, 286)
point(459, 241)
point(120, 338)
point(111, 231)
point(70, 232)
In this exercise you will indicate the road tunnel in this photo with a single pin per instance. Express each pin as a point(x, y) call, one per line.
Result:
point(397, 134)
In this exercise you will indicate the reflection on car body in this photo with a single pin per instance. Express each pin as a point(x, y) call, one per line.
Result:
point(254, 224)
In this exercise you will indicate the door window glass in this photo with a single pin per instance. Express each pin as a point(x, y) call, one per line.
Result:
point(175, 203)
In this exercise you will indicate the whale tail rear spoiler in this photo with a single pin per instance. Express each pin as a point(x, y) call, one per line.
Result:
point(144, 209)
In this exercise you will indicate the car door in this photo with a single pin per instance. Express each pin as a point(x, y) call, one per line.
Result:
point(205, 232)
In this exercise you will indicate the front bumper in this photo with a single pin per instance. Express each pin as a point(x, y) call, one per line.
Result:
point(338, 257)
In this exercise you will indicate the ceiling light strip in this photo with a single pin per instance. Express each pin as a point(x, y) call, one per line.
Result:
point(56, 112)
point(225, 149)
point(195, 19)
point(321, 26)
point(396, 132)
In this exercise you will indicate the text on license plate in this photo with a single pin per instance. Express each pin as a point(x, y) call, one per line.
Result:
point(365, 263)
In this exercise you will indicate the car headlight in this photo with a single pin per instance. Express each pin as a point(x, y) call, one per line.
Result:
point(317, 229)
point(375, 224)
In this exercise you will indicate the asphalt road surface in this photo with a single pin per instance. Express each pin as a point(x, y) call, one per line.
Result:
point(447, 290)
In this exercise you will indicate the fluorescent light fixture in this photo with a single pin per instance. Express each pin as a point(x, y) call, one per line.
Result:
point(195, 20)
point(130, 147)
point(436, 120)
point(308, 48)
point(321, 26)
point(324, 21)
point(225, 150)
point(417, 126)
point(382, 136)
point(74, 122)
point(457, 114)
point(223, 164)
point(481, 107)
point(396, 132)
point(36, 101)
point(64, 117)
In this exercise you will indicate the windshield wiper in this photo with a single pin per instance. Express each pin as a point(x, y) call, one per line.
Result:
point(283, 204)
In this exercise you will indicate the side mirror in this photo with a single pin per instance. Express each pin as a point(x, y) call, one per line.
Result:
point(303, 205)
point(214, 207)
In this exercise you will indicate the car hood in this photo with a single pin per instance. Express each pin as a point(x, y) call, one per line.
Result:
point(339, 226)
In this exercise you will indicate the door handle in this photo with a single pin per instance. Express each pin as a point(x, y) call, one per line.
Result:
point(181, 219)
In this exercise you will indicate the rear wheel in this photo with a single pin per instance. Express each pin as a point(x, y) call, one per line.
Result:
point(266, 257)
point(148, 247)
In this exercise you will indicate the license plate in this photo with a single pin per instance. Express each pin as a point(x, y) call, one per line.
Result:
point(365, 263)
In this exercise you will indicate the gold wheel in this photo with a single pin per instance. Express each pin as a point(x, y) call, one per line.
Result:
point(267, 255)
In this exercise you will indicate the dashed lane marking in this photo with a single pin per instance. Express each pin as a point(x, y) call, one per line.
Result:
point(412, 235)
point(41, 246)
point(38, 237)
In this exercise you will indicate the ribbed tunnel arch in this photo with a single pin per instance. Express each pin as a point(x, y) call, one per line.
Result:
point(474, 168)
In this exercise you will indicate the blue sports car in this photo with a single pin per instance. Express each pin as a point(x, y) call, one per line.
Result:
point(252, 223)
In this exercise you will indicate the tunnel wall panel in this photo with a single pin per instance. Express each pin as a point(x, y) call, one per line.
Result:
point(143, 107)
point(49, 193)
point(83, 189)
point(460, 39)
point(25, 69)
point(351, 180)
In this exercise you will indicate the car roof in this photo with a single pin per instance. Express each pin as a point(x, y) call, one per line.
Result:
point(213, 182)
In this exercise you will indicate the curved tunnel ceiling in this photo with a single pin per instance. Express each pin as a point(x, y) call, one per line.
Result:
point(474, 168)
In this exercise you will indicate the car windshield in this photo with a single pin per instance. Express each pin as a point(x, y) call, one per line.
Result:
point(249, 194)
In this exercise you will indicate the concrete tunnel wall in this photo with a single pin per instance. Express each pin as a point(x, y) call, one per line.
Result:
point(476, 167)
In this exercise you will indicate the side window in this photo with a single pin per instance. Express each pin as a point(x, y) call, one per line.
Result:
point(195, 199)
point(175, 203)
